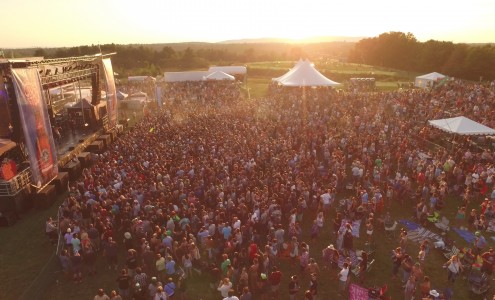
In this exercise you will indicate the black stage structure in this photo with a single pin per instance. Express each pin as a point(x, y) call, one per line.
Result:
point(53, 114)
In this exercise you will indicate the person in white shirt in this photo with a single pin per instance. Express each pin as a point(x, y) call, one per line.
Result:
point(231, 296)
point(225, 287)
point(343, 277)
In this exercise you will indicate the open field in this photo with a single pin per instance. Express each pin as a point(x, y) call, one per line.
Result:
point(260, 74)
point(25, 250)
point(21, 264)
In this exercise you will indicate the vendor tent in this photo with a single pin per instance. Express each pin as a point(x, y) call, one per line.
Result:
point(219, 75)
point(185, 76)
point(305, 75)
point(462, 126)
point(428, 80)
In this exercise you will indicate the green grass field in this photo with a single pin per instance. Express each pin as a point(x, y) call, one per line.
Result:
point(25, 250)
point(260, 74)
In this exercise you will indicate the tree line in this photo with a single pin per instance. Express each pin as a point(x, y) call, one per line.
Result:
point(154, 59)
point(403, 51)
point(395, 50)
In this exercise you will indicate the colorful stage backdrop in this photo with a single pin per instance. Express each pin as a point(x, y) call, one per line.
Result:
point(36, 125)
point(111, 93)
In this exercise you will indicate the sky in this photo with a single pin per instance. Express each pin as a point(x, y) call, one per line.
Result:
point(67, 23)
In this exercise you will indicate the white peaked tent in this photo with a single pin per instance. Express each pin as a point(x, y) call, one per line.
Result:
point(427, 80)
point(219, 75)
point(296, 66)
point(305, 75)
point(462, 126)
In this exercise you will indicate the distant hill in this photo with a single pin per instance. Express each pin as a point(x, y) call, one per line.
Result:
point(311, 40)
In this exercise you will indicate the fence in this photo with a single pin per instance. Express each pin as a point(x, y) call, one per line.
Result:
point(48, 275)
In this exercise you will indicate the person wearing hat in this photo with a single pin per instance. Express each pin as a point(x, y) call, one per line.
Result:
point(488, 261)
point(313, 286)
point(169, 288)
point(330, 256)
point(293, 287)
point(479, 242)
point(138, 292)
point(434, 294)
point(68, 238)
point(159, 294)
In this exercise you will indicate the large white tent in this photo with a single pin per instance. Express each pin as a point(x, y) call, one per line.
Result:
point(305, 75)
point(462, 126)
point(428, 80)
point(185, 76)
point(219, 75)
point(296, 66)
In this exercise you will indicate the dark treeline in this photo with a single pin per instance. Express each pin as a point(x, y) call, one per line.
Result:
point(154, 59)
point(395, 50)
point(403, 51)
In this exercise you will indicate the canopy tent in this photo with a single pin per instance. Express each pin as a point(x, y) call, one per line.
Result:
point(462, 126)
point(185, 76)
point(231, 70)
point(428, 80)
point(219, 75)
point(296, 66)
point(305, 75)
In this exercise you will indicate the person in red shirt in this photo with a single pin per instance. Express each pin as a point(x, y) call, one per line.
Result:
point(275, 278)
point(488, 261)
point(253, 250)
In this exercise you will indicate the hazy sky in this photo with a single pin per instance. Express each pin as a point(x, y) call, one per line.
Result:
point(47, 23)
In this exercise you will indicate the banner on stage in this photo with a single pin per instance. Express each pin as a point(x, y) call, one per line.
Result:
point(357, 292)
point(111, 93)
point(36, 126)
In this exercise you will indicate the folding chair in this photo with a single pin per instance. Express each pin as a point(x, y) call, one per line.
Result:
point(443, 225)
point(390, 231)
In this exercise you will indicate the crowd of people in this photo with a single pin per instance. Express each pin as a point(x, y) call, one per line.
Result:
point(208, 91)
point(222, 193)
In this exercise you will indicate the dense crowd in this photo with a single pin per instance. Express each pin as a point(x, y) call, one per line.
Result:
point(220, 192)
point(201, 91)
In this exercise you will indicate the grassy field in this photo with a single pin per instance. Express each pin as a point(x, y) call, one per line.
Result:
point(25, 250)
point(260, 74)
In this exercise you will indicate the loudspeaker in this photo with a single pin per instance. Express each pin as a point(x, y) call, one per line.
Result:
point(95, 85)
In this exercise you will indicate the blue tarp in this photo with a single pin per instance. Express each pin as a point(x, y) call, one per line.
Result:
point(409, 225)
point(467, 235)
